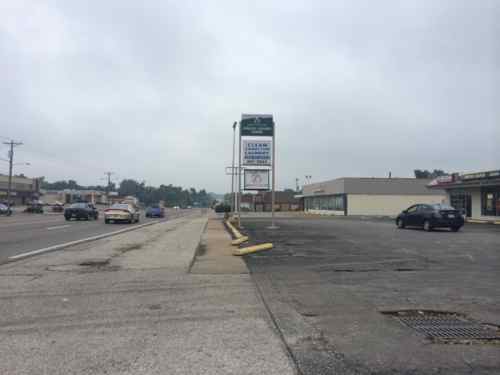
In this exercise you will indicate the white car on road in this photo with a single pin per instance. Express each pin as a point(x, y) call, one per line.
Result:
point(124, 212)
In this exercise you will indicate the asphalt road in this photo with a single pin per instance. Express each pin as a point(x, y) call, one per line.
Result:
point(23, 232)
point(328, 281)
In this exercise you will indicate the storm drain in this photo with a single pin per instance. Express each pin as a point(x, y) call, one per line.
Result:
point(447, 326)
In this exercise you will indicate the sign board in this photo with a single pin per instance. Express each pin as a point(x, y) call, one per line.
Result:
point(256, 152)
point(442, 180)
point(480, 175)
point(256, 179)
point(257, 125)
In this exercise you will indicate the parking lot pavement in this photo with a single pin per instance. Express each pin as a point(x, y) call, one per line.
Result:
point(22, 232)
point(330, 282)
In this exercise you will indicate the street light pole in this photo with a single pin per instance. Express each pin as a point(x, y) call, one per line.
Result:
point(239, 180)
point(12, 144)
point(233, 197)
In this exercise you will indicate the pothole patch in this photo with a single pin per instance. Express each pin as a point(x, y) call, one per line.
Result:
point(447, 327)
point(155, 306)
point(94, 263)
point(88, 265)
point(131, 247)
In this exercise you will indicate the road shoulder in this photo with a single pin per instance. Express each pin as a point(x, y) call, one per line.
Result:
point(127, 305)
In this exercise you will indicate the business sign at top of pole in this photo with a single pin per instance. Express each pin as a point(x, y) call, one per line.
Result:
point(257, 125)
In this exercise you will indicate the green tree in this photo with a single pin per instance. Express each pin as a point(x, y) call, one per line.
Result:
point(424, 173)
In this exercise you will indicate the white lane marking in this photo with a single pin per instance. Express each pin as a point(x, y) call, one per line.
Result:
point(59, 227)
point(19, 223)
point(77, 242)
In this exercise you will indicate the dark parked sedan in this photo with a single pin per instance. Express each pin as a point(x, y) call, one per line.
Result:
point(5, 210)
point(81, 211)
point(429, 216)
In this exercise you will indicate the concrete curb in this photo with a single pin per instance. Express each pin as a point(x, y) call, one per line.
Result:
point(45, 250)
point(479, 221)
point(200, 237)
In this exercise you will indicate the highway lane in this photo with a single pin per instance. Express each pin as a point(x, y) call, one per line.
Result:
point(27, 232)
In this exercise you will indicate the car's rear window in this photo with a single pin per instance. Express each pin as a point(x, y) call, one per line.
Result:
point(78, 205)
point(120, 206)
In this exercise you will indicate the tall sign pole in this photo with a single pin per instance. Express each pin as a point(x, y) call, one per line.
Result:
point(257, 129)
point(273, 194)
point(239, 180)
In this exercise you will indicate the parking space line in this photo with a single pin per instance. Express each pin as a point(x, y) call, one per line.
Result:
point(18, 223)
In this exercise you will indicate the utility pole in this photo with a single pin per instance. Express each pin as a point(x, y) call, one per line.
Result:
point(108, 174)
point(297, 184)
point(12, 144)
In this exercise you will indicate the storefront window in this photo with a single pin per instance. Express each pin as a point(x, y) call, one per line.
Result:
point(490, 202)
point(330, 203)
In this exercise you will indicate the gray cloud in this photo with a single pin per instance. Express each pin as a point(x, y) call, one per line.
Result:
point(150, 91)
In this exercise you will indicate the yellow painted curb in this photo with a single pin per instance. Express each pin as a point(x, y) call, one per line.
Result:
point(496, 222)
point(239, 241)
point(253, 249)
point(235, 231)
point(477, 221)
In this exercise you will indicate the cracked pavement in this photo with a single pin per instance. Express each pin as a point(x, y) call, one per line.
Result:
point(127, 305)
point(328, 280)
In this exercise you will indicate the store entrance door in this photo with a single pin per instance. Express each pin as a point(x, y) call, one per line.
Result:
point(462, 201)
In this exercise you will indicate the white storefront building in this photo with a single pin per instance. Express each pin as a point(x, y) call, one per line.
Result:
point(368, 196)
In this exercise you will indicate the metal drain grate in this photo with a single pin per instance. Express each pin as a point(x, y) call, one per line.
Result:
point(446, 326)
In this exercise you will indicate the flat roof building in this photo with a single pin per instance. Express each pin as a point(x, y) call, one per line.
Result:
point(23, 189)
point(67, 196)
point(368, 195)
point(262, 202)
point(476, 194)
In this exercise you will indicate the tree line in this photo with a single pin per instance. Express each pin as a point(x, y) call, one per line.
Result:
point(424, 173)
point(169, 194)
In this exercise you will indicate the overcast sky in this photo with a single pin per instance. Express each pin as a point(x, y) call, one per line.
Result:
point(150, 89)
